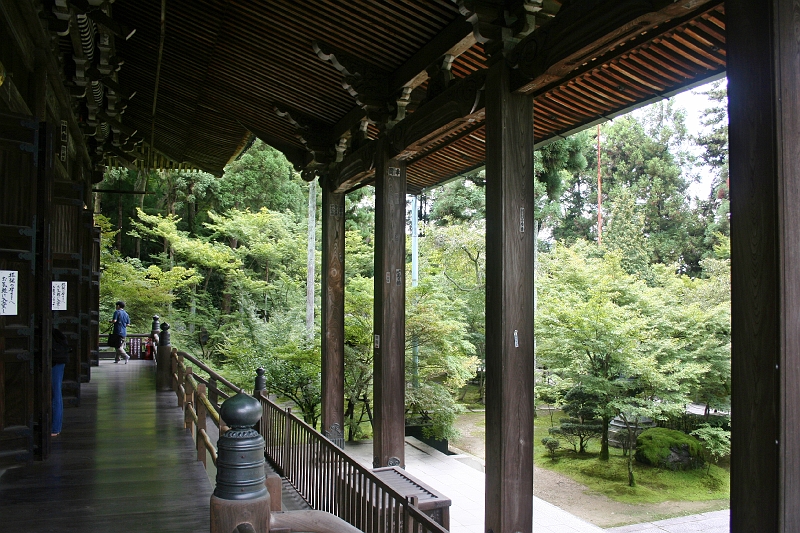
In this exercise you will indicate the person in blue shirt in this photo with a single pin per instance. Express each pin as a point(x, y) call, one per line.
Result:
point(120, 322)
point(60, 358)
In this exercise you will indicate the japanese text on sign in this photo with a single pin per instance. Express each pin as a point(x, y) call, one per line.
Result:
point(9, 279)
point(59, 296)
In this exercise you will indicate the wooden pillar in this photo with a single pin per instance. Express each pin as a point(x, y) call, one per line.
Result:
point(763, 84)
point(43, 314)
point(510, 243)
point(389, 315)
point(332, 314)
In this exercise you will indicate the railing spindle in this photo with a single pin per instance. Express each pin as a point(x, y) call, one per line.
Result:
point(331, 481)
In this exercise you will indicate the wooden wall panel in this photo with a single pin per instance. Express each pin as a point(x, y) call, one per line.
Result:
point(66, 229)
point(19, 146)
point(68, 237)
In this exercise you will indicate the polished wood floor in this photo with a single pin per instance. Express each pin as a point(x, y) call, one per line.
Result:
point(122, 463)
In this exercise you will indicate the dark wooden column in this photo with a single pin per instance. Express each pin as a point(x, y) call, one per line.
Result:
point(389, 315)
point(510, 241)
point(764, 83)
point(332, 313)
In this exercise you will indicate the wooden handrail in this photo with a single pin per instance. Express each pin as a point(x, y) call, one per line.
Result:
point(192, 398)
point(332, 481)
point(322, 473)
point(212, 375)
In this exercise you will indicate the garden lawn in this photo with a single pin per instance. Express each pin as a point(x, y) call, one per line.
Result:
point(610, 478)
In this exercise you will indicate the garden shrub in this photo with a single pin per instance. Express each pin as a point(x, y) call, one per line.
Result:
point(552, 445)
point(669, 448)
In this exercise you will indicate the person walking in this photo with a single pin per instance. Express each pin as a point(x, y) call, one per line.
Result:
point(60, 358)
point(120, 322)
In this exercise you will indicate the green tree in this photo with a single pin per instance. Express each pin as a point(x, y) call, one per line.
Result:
point(716, 442)
point(646, 155)
point(625, 234)
point(146, 290)
point(622, 340)
point(446, 357)
point(358, 354)
point(459, 201)
point(714, 157)
point(260, 177)
point(455, 256)
point(582, 425)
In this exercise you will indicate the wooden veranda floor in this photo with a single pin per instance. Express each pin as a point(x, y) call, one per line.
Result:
point(122, 463)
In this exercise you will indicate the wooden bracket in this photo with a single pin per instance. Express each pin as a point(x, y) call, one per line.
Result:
point(500, 25)
point(367, 83)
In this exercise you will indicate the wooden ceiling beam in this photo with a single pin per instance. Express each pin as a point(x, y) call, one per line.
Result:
point(442, 114)
point(453, 40)
point(355, 169)
point(586, 30)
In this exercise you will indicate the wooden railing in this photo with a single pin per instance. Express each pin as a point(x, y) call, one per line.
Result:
point(199, 397)
point(332, 481)
point(134, 343)
point(216, 395)
point(322, 473)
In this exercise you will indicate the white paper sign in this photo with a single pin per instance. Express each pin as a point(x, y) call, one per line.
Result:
point(59, 296)
point(9, 280)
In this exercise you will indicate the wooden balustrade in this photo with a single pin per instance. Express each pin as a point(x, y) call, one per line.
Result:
point(330, 480)
point(192, 396)
point(323, 474)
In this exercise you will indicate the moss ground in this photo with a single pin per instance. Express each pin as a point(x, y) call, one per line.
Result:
point(611, 478)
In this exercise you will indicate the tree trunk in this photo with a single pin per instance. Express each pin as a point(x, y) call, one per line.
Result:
point(193, 309)
point(119, 223)
point(141, 186)
point(631, 481)
point(604, 455)
point(310, 261)
point(226, 302)
point(190, 211)
point(349, 414)
point(631, 446)
point(369, 411)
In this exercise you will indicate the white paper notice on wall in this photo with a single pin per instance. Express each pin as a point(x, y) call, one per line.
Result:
point(9, 291)
point(59, 296)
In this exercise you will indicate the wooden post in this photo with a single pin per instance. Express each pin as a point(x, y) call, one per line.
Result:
point(201, 424)
point(188, 399)
point(389, 312)
point(764, 114)
point(44, 266)
point(510, 242)
point(175, 365)
point(332, 314)
point(287, 443)
point(213, 396)
point(164, 360)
